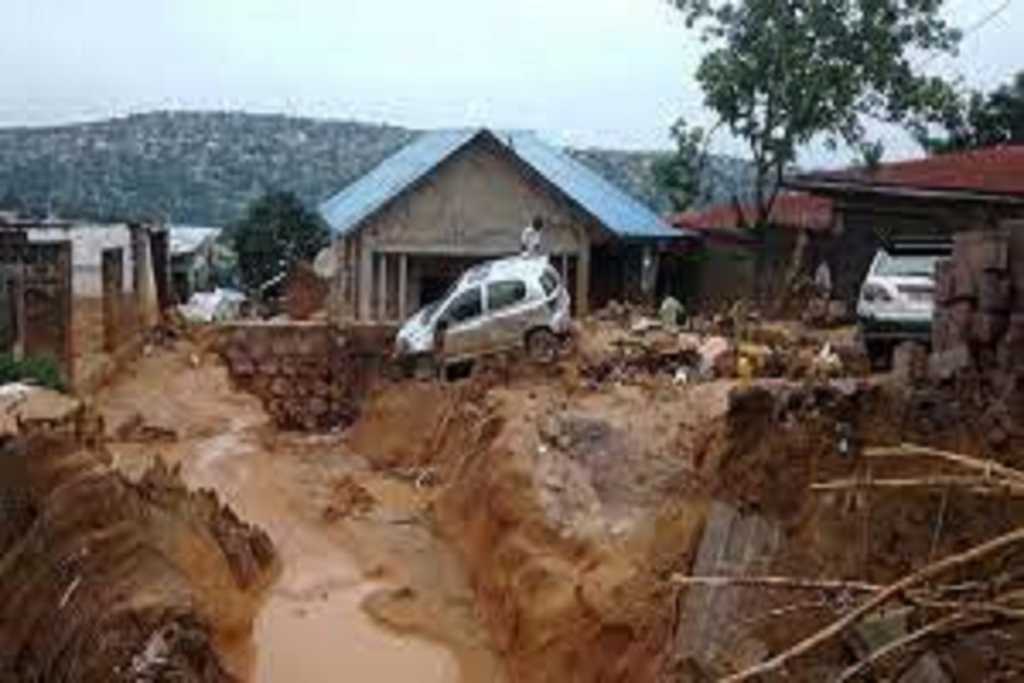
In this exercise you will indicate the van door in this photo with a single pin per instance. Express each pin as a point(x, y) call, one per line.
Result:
point(463, 321)
point(508, 315)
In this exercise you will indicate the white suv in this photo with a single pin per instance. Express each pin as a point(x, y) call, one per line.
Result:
point(896, 301)
point(512, 302)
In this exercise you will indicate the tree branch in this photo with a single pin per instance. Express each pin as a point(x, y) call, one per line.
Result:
point(987, 467)
point(931, 571)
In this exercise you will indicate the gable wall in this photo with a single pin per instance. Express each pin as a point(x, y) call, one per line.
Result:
point(477, 201)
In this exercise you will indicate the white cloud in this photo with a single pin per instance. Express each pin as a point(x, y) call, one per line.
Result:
point(589, 72)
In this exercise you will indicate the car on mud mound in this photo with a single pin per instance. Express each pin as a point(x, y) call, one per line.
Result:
point(516, 302)
point(896, 302)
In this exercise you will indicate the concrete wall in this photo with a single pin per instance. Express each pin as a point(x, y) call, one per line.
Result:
point(473, 206)
point(88, 242)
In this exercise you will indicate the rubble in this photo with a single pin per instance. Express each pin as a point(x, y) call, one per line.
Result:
point(305, 292)
point(347, 498)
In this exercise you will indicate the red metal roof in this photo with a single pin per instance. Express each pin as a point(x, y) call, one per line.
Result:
point(791, 209)
point(999, 170)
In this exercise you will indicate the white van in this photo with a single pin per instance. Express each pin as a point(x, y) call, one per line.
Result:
point(497, 305)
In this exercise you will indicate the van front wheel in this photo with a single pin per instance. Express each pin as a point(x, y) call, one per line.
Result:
point(542, 346)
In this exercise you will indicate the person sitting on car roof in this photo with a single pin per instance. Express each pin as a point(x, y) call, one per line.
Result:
point(530, 240)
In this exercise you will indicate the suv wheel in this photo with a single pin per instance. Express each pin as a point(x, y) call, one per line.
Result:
point(542, 346)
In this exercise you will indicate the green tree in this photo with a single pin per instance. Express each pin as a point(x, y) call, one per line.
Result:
point(985, 121)
point(679, 175)
point(781, 73)
point(276, 232)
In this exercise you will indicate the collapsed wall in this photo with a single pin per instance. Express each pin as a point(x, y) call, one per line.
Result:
point(309, 375)
point(978, 332)
point(105, 579)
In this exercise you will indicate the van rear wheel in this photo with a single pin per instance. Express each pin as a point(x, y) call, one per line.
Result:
point(542, 346)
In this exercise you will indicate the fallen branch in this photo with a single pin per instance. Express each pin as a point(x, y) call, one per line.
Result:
point(899, 644)
point(986, 467)
point(780, 582)
point(837, 627)
point(979, 485)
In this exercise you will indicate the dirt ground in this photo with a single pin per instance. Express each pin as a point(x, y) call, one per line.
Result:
point(531, 524)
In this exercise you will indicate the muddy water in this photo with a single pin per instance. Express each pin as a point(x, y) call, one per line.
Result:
point(311, 628)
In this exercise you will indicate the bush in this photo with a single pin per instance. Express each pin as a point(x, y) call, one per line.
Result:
point(34, 370)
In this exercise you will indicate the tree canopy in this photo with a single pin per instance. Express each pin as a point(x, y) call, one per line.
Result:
point(781, 73)
point(276, 232)
point(990, 119)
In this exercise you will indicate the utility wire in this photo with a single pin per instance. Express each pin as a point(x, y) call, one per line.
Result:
point(973, 28)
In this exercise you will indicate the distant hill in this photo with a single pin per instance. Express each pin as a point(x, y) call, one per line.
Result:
point(204, 168)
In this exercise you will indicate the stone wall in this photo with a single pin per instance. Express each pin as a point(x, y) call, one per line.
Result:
point(978, 331)
point(309, 375)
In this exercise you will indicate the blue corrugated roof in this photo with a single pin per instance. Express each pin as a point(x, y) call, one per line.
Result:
point(613, 208)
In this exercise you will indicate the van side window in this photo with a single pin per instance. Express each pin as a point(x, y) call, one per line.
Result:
point(504, 294)
point(466, 306)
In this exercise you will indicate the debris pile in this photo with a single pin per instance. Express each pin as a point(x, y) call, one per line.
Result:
point(621, 345)
point(305, 292)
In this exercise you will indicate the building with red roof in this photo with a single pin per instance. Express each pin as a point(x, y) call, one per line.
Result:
point(842, 217)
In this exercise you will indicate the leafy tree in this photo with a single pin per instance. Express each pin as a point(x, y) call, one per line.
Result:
point(780, 73)
point(276, 232)
point(679, 175)
point(985, 121)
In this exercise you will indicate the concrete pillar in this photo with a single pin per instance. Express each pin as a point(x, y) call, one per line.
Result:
point(365, 281)
point(403, 286)
point(583, 280)
point(382, 293)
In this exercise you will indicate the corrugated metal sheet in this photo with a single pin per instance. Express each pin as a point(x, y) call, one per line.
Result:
point(617, 211)
point(186, 239)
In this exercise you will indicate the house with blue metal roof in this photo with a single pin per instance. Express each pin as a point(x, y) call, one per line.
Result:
point(452, 198)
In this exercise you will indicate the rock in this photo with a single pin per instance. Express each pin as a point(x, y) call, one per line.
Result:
point(945, 365)
point(909, 362)
point(926, 669)
point(717, 357)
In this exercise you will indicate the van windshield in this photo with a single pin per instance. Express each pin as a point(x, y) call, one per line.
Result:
point(431, 308)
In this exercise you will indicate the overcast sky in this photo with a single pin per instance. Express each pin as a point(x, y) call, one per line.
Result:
point(612, 73)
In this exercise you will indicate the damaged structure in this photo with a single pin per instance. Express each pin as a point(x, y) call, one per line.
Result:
point(403, 233)
point(80, 294)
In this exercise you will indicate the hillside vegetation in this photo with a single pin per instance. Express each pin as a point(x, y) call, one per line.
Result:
point(204, 168)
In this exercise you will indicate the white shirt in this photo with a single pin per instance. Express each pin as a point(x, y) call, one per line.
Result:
point(530, 241)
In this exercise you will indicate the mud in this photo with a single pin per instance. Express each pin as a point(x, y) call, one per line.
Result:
point(572, 506)
point(365, 587)
point(107, 579)
point(530, 525)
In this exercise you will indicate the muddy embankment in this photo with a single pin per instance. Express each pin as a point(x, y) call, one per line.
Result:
point(106, 579)
point(575, 510)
